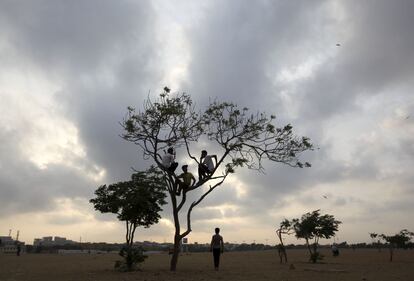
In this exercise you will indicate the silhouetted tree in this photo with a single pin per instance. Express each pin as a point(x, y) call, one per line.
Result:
point(244, 139)
point(285, 227)
point(375, 243)
point(315, 226)
point(136, 202)
point(373, 236)
point(399, 240)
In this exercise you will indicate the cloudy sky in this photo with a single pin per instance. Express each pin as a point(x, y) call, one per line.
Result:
point(341, 72)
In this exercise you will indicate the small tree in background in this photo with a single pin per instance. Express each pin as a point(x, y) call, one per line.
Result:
point(285, 227)
point(376, 243)
point(399, 240)
point(313, 226)
point(242, 138)
point(136, 202)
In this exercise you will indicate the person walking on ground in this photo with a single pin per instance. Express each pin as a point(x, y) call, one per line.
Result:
point(168, 160)
point(19, 249)
point(187, 180)
point(206, 166)
point(335, 250)
point(217, 247)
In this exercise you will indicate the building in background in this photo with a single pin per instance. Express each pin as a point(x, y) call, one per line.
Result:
point(9, 246)
point(48, 241)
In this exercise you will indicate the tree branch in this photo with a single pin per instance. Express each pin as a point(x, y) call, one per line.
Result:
point(195, 203)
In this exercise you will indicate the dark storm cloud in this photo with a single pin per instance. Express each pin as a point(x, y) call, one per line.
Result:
point(377, 55)
point(79, 35)
point(234, 45)
point(79, 40)
point(231, 52)
point(79, 45)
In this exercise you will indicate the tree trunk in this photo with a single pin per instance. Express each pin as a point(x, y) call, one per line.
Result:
point(309, 248)
point(176, 252)
point(128, 246)
point(128, 257)
point(313, 254)
point(177, 237)
point(282, 249)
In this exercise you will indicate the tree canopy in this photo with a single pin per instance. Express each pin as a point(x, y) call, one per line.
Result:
point(244, 137)
point(313, 226)
point(136, 202)
point(398, 240)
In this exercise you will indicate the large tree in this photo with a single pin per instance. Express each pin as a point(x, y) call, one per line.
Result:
point(242, 138)
point(136, 202)
point(313, 226)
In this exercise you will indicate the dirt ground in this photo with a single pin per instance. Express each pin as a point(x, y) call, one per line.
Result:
point(360, 264)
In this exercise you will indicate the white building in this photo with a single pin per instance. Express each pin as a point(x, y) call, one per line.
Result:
point(8, 245)
point(49, 241)
point(6, 240)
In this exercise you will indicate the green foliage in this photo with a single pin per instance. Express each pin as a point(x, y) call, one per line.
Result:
point(399, 240)
point(170, 120)
point(285, 227)
point(132, 257)
point(315, 226)
point(252, 137)
point(246, 138)
point(137, 202)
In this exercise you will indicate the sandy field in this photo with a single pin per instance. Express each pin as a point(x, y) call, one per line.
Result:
point(360, 264)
